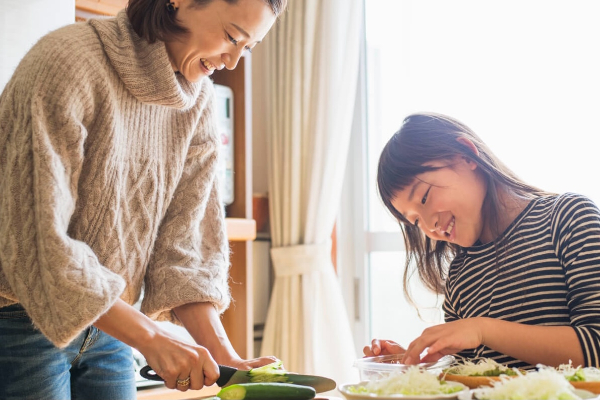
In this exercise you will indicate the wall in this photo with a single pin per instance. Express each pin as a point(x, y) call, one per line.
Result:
point(22, 23)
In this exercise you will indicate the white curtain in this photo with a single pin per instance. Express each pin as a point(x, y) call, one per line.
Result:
point(312, 57)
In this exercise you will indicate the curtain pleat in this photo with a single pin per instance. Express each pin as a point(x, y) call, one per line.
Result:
point(312, 64)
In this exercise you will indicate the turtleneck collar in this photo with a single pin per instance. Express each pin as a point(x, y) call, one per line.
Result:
point(144, 68)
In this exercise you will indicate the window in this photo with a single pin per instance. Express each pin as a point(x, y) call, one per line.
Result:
point(525, 76)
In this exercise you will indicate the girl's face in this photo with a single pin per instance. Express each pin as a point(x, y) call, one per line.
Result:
point(446, 204)
point(218, 35)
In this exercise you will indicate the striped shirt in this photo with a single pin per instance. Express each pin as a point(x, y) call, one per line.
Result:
point(549, 276)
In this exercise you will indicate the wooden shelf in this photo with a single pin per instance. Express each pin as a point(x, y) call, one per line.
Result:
point(238, 320)
point(100, 7)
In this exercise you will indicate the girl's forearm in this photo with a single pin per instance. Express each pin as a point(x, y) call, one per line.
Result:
point(549, 345)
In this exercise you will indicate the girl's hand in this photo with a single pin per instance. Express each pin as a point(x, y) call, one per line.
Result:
point(173, 359)
point(380, 347)
point(444, 339)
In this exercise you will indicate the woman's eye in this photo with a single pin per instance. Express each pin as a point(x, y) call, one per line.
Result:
point(416, 223)
point(249, 49)
point(231, 39)
point(424, 199)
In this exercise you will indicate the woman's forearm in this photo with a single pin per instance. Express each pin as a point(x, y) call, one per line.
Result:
point(125, 323)
point(203, 323)
point(549, 345)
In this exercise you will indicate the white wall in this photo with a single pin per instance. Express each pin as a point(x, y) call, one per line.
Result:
point(22, 23)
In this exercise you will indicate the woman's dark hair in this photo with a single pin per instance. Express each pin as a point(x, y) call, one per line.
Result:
point(152, 20)
point(427, 137)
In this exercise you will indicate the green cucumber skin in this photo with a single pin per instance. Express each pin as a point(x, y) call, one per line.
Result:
point(296, 379)
point(267, 391)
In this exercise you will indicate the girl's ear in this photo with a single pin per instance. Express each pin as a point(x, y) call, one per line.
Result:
point(466, 142)
point(471, 146)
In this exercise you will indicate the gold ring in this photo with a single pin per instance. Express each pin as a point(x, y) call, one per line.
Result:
point(183, 382)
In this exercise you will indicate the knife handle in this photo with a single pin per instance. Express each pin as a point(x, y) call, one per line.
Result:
point(226, 374)
point(148, 373)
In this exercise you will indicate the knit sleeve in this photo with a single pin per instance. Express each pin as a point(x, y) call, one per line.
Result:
point(58, 280)
point(576, 237)
point(190, 262)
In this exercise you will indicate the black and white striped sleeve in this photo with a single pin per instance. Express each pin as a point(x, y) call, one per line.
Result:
point(576, 239)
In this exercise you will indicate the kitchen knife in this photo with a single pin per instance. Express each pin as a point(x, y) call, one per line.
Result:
point(231, 376)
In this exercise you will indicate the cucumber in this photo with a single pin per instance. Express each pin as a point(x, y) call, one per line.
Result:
point(267, 391)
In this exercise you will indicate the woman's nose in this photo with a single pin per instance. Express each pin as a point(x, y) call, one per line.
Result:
point(231, 59)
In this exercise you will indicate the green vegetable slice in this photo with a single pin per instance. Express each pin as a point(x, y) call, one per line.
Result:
point(267, 391)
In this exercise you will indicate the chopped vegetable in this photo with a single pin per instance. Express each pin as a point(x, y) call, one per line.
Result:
point(483, 367)
point(266, 391)
point(579, 374)
point(274, 372)
point(414, 381)
point(544, 384)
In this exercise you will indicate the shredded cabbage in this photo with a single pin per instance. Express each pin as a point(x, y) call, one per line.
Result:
point(414, 381)
point(483, 367)
point(579, 374)
point(544, 384)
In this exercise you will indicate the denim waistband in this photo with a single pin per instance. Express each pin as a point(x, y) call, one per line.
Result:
point(12, 307)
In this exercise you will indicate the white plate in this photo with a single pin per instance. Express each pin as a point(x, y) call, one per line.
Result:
point(345, 390)
point(584, 394)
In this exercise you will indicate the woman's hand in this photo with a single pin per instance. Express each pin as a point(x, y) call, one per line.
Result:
point(175, 360)
point(169, 356)
point(204, 324)
point(443, 339)
point(240, 363)
point(381, 347)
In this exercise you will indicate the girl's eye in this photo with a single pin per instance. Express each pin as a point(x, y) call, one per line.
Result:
point(424, 199)
point(416, 223)
point(249, 49)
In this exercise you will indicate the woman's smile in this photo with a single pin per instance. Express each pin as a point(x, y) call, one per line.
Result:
point(207, 67)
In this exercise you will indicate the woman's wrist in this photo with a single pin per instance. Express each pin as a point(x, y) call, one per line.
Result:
point(128, 325)
point(203, 323)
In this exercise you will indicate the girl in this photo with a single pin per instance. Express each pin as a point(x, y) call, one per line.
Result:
point(108, 164)
point(518, 266)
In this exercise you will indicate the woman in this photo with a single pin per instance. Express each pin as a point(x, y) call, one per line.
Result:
point(517, 265)
point(108, 156)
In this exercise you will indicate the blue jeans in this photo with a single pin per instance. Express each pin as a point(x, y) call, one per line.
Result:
point(93, 366)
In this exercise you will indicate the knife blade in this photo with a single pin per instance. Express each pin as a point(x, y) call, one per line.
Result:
point(231, 376)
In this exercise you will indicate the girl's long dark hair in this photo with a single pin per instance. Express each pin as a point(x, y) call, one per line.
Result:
point(427, 137)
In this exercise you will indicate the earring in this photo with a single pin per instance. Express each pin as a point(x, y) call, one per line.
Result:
point(171, 7)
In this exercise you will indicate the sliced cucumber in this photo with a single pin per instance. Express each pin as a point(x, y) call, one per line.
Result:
point(267, 391)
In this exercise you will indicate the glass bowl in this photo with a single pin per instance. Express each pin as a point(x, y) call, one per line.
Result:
point(373, 368)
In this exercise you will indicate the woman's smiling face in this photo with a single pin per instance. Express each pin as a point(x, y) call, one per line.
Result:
point(446, 204)
point(218, 34)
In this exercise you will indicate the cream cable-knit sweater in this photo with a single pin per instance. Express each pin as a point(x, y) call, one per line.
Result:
point(107, 181)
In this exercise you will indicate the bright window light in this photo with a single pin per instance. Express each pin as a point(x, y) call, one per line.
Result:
point(524, 75)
